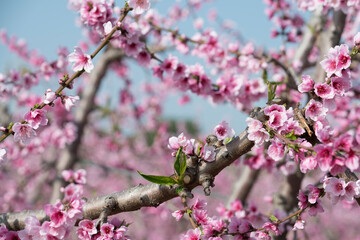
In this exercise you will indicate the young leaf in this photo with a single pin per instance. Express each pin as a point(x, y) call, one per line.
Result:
point(163, 180)
point(179, 189)
point(177, 161)
point(273, 218)
point(183, 165)
point(227, 140)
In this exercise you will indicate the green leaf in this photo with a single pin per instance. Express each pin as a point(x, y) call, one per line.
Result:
point(264, 76)
point(273, 218)
point(198, 150)
point(291, 135)
point(179, 189)
point(227, 140)
point(163, 180)
point(177, 161)
point(183, 165)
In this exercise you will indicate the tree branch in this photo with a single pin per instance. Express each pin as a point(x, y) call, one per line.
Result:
point(243, 185)
point(150, 195)
point(70, 155)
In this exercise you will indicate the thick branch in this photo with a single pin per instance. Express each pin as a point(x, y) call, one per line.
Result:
point(243, 185)
point(150, 195)
point(315, 25)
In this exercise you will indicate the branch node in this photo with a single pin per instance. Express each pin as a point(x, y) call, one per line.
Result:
point(192, 161)
point(110, 204)
point(185, 193)
point(207, 181)
point(212, 140)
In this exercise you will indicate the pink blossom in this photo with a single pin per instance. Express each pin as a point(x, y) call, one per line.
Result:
point(57, 215)
point(324, 91)
point(47, 70)
point(169, 64)
point(81, 60)
point(314, 193)
point(324, 155)
point(192, 234)
point(306, 85)
point(309, 163)
point(223, 131)
point(329, 64)
point(316, 208)
point(2, 155)
point(262, 235)
point(201, 216)
point(259, 137)
point(80, 176)
point(357, 39)
point(32, 228)
point(36, 118)
point(23, 133)
point(277, 119)
point(274, 108)
point(139, 6)
point(253, 125)
point(198, 23)
point(49, 96)
point(63, 136)
point(335, 186)
point(276, 150)
point(299, 224)
point(72, 191)
point(238, 225)
point(337, 59)
point(340, 84)
point(96, 13)
point(86, 229)
point(190, 146)
point(199, 204)
point(303, 201)
point(107, 230)
point(108, 27)
point(67, 175)
point(74, 210)
point(144, 58)
point(351, 190)
point(176, 142)
point(314, 110)
point(344, 59)
point(133, 47)
point(271, 227)
point(178, 214)
point(291, 125)
point(208, 153)
point(288, 168)
point(69, 101)
point(344, 142)
point(352, 161)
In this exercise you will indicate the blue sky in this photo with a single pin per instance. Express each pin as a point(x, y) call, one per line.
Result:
point(45, 25)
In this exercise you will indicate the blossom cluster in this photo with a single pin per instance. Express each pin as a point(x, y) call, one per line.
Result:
point(112, 230)
point(192, 147)
point(24, 132)
point(63, 214)
point(283, 122)
point(312, 198)
point(311, 5)
point(337, 189)
point(237, 221)
point(289, 24)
